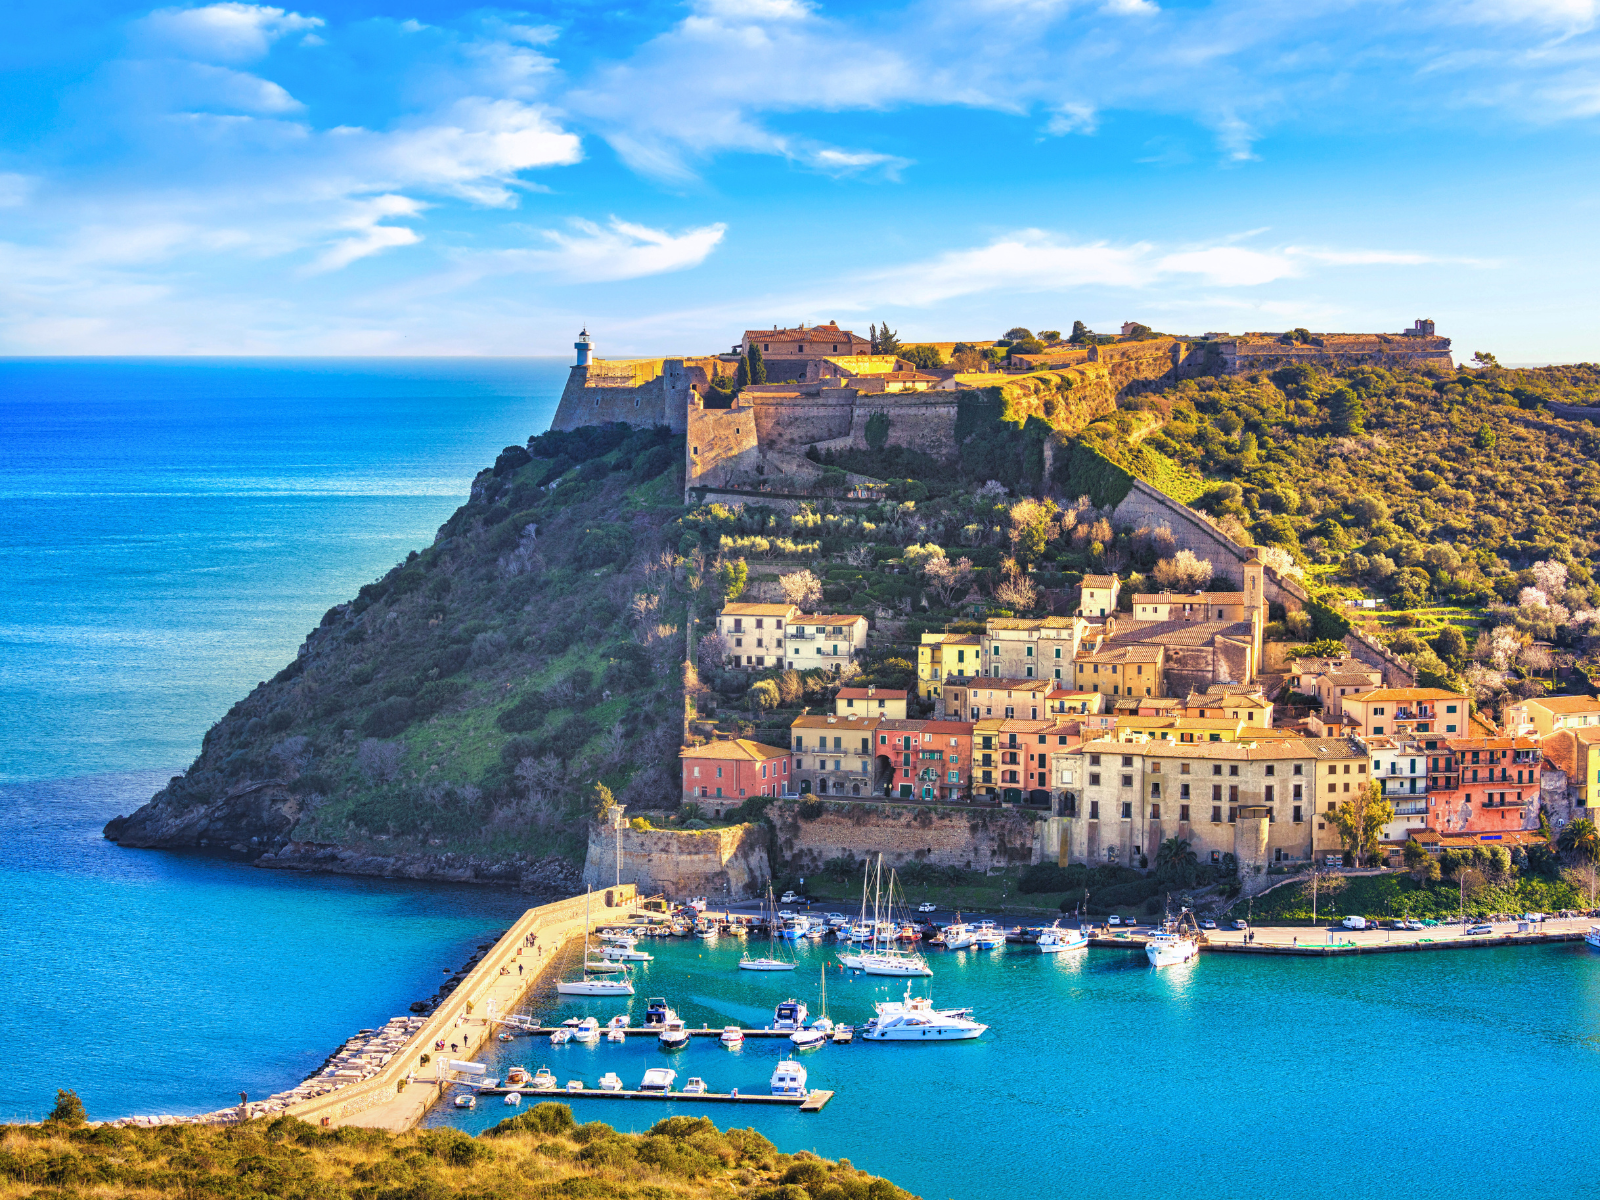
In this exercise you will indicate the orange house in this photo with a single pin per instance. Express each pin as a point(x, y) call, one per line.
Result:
point(722, 775)
point(927, 760)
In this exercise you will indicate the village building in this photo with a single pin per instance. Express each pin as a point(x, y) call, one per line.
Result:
point(942, 656)
point(1097, 597)
point(871, 702)
point(755, 633)
point(1121, 670)
point(1549, 714)
point(1407, 712)
point(721, 775)
point(1040, 648)
point(1570, 778)
point(834, 755)
point(980, 698)
point(1486, 784)
point(1011, 757)
point(925, 759)
point(1242, 704)
point(816, 342)
point(825, 640)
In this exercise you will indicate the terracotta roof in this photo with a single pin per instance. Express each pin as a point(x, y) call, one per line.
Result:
point(1352, 678)
point(981, 683)
point(872, 693)
point(1178, 633)
point(1511, 837)
point(1566, 704)
point(1249, 750)
point(1189, 598)
point(1099, 581)
point(829, 333)
point(829, 721)
point(1116, 653)
point(758, 610)
point(1380, 694)
point(827, 618)
point(739, 748)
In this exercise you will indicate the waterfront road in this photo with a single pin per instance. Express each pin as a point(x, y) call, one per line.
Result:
point(1317, 935)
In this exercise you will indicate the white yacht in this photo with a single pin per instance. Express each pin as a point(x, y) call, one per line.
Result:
point(695, 1087)
point(673, 1035)
point(1175, 942)
point(587, 1032)
point(732, 1036)
point(1056, 939)
point(610, 1082)
point(544, 1080)
point(624, 952)
point(658, 1079)
point(789, 1079)
point(770, 961)
point(791, 1014)
point(808, 1039)
point(880, 955)
point(560, 1037)
point(587, 985)
point(915, 1019)
point(658, 1012)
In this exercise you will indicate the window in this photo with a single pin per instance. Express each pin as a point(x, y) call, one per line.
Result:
point(1094, 760)
point(1268, 796)
point(1216, 768)
point(1216, 816)
point(1271, 770)
point(1298, 770)
point(1155, 790)
point(1183, 813)
point(1094, 810)
point(1183, 768)
point(1297, 815)
point(1094, 778)
point(1127, 760)
point(1233, 793)
point(1216, 792)
point(1183, 791)
point(1127, 781)
point(1233, 769)
point(1127, 811)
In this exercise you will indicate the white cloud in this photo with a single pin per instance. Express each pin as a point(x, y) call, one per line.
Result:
point(1131, 8)
point(591, 253)
point(15, 189)
point(474, 150)
point(1229, 266)
point(227, 32)
point(369, 235)
point(201, 84)
point(1072, 118)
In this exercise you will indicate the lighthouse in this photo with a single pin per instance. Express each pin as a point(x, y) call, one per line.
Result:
point(583, 347)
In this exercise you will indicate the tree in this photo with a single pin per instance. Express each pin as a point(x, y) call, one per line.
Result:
point(1033, 524)
point(68, 1109)
point(601, 802)
point(1137, 332)
point(947, 578)
point(1485, 438)
point(1183, 572)
point(1414, 854)
point(714, 649)
point(765, 695)
point(918, 557)
point(1081, 333)
point(1049, 336)
point(801, 588)
point(1484, 359)
point(1016, 590)
point(756, 367)
point(877, 430)
point(1176, 862)
point(1451, 644)
point(741, 374)
point(926, 358)
point(1360, 820)
point(884, 339)
point(732, 576)
point(1581, 839)
point(1018, 334)
point(1348, 413)
point(791, 687)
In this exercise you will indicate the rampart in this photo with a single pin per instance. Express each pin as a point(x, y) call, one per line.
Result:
point(722, 444)
point(1266, 352)
point(642, 392)
point(809, 833)
point(727, 862)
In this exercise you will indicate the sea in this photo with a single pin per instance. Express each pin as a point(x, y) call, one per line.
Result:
point(170, 529)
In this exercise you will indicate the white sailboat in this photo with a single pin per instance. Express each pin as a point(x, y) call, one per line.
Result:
point(770, 961)
point(587, 986)
point(881, 956)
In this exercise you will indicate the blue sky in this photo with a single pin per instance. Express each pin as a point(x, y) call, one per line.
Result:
point(414, 177)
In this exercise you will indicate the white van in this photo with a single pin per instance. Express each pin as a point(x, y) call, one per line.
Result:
point(1355, 922)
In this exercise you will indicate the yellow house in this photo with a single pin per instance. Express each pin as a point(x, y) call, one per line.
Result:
point(871, 702)
point(1133, 670)
point(1099, 595)
point(1402, 712)
point(1249, 708)
point(1547, 714)
point(944, 656)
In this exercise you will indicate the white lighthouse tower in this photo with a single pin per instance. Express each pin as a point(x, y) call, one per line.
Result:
point(583, 347)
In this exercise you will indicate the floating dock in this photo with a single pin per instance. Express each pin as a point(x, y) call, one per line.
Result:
point(655, 1031)
point(1340, 950)
point(811, 1102)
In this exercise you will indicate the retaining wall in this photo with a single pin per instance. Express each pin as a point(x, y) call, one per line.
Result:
point(692, 862)
point(972, 839)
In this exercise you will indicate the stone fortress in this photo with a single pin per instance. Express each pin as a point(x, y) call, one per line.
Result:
point(824, 384)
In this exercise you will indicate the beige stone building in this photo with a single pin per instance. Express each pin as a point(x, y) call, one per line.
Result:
point(979, 699)
point(819, 341)
point(1098, 594)
point(825, 640)
point(1262, 802)
point(1407, 712)
point(1121, 670)
point(871, 702)
point(833, 755)
point(756, 633)
point(1037, 648)
point(1548, 714)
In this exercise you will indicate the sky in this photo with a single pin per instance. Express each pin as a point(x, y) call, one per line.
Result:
point(417, 177)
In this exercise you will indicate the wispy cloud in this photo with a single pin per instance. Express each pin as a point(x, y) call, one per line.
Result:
point(222, 32)
point(591, 253)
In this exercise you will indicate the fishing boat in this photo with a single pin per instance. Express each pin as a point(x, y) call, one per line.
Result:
point(467, 1100)
point(544, 1080)
point(732, 1036)
point(958, 936)
point(987, 937)
point(695, 1087)
point(503, 1036)
point(1177, 941)
point(772, 960)
point(587, 985)
point(1056, 939)
point(610, 1082)
point(658, 1079)
point(658, 1012)
point(790, 1014)
point(673, 1035)
point(517, 1077)
point(513, 1099)
point(587, 1032)
point(789, 1079)
point(914, 1019)
point(880, 956)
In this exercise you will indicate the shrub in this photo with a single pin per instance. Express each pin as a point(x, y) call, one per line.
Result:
point(390, 717)
point(541, 1118)
point(68, 1109)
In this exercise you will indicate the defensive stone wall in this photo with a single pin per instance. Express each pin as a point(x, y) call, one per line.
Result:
point(641, 392)
point(722, 444)
point(809, 833)
point(1396, 671)
point(691, 862)
point(1263, 352)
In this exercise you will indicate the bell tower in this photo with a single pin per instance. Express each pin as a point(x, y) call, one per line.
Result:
point(583, 347)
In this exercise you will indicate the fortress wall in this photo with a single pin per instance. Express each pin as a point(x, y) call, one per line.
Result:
point(704, 862)
point(923, 421)
point(903, 833)
point(722, 442)
point(793, 422)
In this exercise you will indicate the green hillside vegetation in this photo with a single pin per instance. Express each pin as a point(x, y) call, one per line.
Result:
point(542, 1154)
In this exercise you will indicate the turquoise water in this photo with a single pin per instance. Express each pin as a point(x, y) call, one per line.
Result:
point(170, 530)
point(1440, 1075)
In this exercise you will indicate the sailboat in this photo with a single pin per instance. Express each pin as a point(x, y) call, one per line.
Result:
point(588, 986)
point(770, 962)
point(881, 956)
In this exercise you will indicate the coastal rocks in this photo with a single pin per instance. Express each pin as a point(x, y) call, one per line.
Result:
point(243, 819)
point(552, 874)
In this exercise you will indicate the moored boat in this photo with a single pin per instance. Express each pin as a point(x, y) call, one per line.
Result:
point(1175, 942)
point(790, 1014)
point(1592, 938)
point(588, 1031)
point(513, 1099)
point(808, 1039)
point(914, 1019)
point(695, 1087)
point(1055, 939)
point(673, 1035)
point(610, 1082)
point(789, 1079)
point(467, 1100)
point(544, 1080)
point(732, 1035)
point(658, 1079)
point(517, 1077)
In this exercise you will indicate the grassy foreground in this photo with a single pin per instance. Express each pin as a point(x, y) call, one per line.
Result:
point(541, 1154)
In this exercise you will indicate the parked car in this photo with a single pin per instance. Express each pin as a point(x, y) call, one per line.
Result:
point(1411, 924)
point(1241, 923)
point(926, 906)
point(1354, 922)
point(1478, 930)
point(788, 898)
point(1208, 923)
point(1535, 916)
point(1113, 919)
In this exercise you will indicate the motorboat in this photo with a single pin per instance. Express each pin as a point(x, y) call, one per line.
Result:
point(503, 1036)
point(732, 1036)
point(658, 1012)
point(544, 1080)
point(808, 1039)
point(617, 1036)
point(914, 1019)
point(843, 1035)
point(1056, 939)
point(620, 1021)
point(587, 984)
point(517, 1077)
point(987, 937)
point(573, 1022)
point(587, 1032)
point(466, 1100)
point(790, 1014)
point(658, 1079)
point(695, 1087)
point(789, 1079)
point(1592, 938)
point(574, 1085)
point(1175, 942)
point(673, 1035)
point(610, 1082)
point(958, 936)
point(513, 1099)
point(624, 952)
point(561, 1037)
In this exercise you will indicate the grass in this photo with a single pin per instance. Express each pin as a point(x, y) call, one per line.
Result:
point(1397, 895)
point(541, 1154)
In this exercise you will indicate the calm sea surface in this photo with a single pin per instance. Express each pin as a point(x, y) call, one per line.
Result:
point(170, 530)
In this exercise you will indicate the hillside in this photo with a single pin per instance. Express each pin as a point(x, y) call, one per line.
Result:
point(541, 1154)
point(450, 719)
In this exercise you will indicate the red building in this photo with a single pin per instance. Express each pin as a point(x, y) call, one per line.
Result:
point(724, 774)
point(927, 760)
point(1484, 784)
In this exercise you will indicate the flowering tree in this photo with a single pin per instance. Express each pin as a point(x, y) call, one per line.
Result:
point(801, 588)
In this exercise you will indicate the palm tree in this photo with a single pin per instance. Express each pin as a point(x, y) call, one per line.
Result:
point(1173, 853)
point(1581, 838)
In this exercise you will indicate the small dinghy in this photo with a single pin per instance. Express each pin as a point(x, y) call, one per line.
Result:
point(513, 1099)
point(467, 1101)
point(616, 1036)
point(561, 1037)
point(574, 1085)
